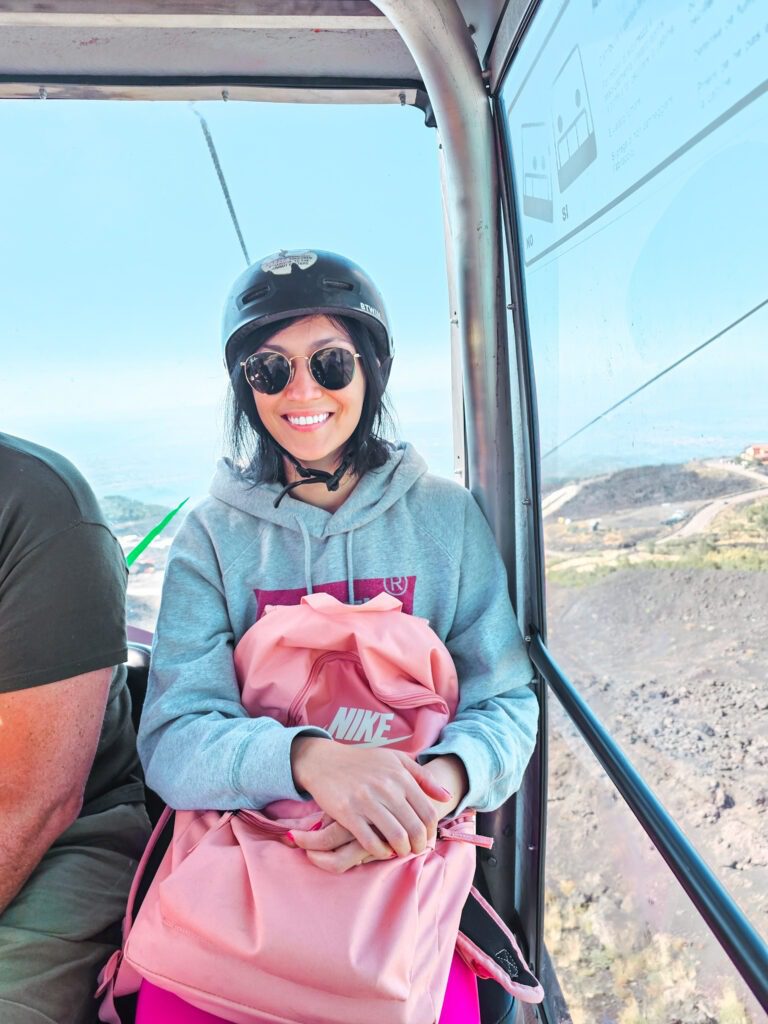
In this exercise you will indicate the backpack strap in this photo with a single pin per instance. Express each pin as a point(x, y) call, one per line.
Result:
point(159, 841)
point(117, 979)
point(489, 948)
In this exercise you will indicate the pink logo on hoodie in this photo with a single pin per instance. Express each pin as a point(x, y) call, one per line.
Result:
point(401, 587)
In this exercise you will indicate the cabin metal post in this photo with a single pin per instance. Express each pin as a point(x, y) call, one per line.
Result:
point(439, 41)
point(441, 45)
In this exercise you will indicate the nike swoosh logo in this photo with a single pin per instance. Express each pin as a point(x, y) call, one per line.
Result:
point(383, 742)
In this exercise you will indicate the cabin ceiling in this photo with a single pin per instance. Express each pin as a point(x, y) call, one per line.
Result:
point(70, 48)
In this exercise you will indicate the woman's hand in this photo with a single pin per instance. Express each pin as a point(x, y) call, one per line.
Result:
point(383, 798)
point(335, 849)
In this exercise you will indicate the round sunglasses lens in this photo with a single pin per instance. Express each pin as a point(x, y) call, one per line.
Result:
point(333, 368)
point(267, 372)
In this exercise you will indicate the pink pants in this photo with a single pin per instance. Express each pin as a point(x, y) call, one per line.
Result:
point(156, 1006)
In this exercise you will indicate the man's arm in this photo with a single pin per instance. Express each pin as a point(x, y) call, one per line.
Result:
point(48, 740)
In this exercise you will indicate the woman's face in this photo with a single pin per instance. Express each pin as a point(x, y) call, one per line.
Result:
point(317, 444)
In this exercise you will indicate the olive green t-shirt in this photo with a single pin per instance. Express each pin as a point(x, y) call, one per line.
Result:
point(62, 602)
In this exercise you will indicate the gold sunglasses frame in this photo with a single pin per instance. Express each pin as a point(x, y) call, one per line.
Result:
point(291, 359)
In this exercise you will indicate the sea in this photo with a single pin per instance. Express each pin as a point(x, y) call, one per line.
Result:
point(165, 458)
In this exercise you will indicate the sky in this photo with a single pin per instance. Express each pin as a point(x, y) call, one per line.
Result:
point(118, 249)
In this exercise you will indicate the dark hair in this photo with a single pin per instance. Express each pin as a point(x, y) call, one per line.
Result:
point(250, 441)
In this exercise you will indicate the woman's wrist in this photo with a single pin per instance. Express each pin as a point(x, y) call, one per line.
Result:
point(303, 749)
point(449, 771)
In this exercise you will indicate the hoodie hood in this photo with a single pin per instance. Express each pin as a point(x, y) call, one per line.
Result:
point(376, 492)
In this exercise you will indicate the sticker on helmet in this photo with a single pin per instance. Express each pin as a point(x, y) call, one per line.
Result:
point(372, 311)
point(284, 261)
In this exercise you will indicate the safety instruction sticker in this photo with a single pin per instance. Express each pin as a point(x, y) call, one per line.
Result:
point(284, 261)
point(604, 96)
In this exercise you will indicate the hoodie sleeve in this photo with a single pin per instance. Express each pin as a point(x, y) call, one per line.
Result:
point(199, 747)
point(494, 731)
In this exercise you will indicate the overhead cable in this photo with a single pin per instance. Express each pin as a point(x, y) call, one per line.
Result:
point(657, 376)
point(223, 183)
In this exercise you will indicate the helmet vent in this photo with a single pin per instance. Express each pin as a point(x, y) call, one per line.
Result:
point(254, 295)
point(342, 286)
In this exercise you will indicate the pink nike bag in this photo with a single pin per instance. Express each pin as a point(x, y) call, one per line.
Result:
point(238, 921)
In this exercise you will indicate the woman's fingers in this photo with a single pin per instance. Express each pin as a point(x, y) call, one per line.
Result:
point(351, 855)
point(405, 816)
point(370, 840)
point(427, 812)
point(329, 838)
point(338, 861)
point(418, 812)
point(406, 828)
point(401, 828)
point(335, 835)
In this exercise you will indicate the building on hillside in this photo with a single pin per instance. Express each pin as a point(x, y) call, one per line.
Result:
point(756, 453)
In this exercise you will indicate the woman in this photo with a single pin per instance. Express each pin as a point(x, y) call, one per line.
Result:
point(325, 504)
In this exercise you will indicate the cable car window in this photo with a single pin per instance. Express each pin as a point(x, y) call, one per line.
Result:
point(621, 934)
point(118, 253)
point(638, 138)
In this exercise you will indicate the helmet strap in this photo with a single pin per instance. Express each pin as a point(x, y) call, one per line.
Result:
point(313, 476)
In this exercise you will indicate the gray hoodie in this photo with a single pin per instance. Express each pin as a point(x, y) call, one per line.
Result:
point(419, 537)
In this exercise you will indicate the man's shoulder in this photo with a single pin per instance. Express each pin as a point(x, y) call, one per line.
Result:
point(62, 574)
point(44, 486)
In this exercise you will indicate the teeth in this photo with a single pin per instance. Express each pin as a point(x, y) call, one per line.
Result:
point(304, 421)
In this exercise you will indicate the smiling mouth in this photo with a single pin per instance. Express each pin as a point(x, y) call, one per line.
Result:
point(308, 421)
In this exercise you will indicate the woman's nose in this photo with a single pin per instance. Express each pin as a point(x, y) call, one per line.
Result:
point(303, 384)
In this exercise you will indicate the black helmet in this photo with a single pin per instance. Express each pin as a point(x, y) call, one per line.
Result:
point(301, 282)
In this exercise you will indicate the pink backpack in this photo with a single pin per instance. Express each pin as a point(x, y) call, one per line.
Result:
point(237, 920)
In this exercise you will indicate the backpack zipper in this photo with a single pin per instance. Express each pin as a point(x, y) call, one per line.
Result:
point(268, 828)
point(300, 699)
point(452, 831)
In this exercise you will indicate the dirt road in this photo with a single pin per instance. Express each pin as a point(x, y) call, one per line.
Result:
point(554, 502)
point(702, 521)
point(725, 466)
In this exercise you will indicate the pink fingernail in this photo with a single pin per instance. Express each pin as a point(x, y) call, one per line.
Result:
point(316, 826)
point(289, 836)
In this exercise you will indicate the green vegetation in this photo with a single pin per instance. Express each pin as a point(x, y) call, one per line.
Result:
point(757, 516)
point(695, 554)
point(613, 966)
point(580, 577)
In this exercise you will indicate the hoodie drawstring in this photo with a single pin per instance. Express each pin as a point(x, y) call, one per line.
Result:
point(350, 573)
point(307, 554)
point(308, 561)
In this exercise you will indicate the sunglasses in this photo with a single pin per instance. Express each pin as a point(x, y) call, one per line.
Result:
point(270, 372)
